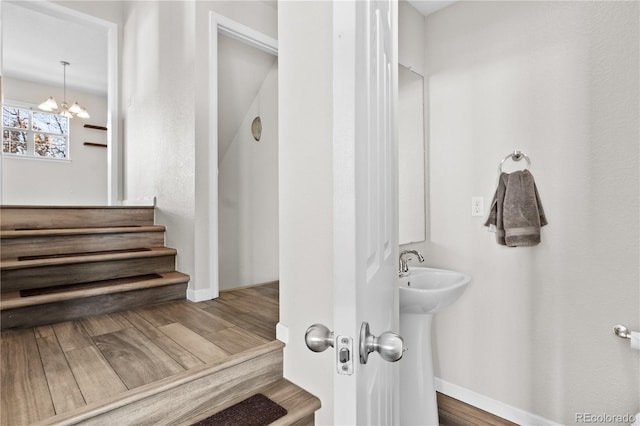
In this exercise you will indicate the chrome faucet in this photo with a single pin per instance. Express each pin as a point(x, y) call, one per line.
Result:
point(403, 268)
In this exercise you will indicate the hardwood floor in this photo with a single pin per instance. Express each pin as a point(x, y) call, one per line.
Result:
point(57, 368)
point(457, 413)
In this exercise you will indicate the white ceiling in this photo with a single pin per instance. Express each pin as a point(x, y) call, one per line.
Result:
point(427, 7)
point(34, 43)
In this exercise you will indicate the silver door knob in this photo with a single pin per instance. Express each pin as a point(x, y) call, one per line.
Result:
point(318, 338)
point(389, 345)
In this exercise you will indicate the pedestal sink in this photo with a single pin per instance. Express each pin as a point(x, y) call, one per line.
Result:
point(423, 292)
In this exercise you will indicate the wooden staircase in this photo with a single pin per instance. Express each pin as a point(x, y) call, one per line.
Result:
point(193, 395)
point(65, 263)
point(90, 301)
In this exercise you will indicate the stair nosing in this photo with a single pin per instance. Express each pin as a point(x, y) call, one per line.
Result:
point(62, 232)
point(136, 394)
point(14, 264)
point(71, 207)
point(167, 278)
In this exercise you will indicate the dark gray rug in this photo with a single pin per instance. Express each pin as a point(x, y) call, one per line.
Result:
point(257, 410)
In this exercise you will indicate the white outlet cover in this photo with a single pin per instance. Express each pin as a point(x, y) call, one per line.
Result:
point(477, 206)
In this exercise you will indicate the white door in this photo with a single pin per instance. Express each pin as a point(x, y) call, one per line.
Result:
point(365, 202)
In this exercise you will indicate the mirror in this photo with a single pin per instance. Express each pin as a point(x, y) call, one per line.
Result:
point(80, 170)
point(411, 152)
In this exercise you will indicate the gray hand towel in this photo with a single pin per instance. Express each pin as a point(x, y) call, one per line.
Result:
point(518, 211)
point(495, 218)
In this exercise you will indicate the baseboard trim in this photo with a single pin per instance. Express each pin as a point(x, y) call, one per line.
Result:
point(200, 295)
point(282, 333)
point(239, 286)
point(490, 405)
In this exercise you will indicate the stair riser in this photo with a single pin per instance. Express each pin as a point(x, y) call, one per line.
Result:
point(42, 246)
point(57, 275)
point(68, 310)
point(183, 401)
point(74, 217)
point(307, 421)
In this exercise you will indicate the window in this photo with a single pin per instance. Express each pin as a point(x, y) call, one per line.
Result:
point(34, 133)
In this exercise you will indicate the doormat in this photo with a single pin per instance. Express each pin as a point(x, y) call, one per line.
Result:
point(257, 410)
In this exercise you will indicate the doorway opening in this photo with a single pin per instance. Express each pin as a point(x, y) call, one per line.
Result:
point(245, 216)
point(30, 67)
point(247, 165)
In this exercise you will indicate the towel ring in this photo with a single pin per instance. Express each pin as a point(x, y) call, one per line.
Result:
point(516, 156)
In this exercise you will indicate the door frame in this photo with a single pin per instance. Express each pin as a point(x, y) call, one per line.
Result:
point(220, 24)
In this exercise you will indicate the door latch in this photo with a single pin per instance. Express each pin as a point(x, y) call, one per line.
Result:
point(319, 338)
point(344, 355)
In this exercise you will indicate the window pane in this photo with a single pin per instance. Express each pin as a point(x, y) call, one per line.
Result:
point(15, 117)
point(50, 145)
point(50, 123)
point(14, 142)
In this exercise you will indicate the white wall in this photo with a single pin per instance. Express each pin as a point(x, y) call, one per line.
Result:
point(108, 10)
point(80, 181)
point(558, 80)
point(248, 195)
point(306, 191)
point(158, 88)
point(242, 69)
point(410, 37)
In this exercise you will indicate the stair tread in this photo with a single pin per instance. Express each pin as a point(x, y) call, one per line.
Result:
point(87, 207)
point(14, 300)
point(25, 233)
point(298, 403)
point(56, 217)
point(75, 258)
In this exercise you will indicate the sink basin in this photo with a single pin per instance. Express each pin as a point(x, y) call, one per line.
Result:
point(428, 290)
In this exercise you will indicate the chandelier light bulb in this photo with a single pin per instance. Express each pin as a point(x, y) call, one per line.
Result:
point(83, 113)
point(49, 105)
point(75, 108)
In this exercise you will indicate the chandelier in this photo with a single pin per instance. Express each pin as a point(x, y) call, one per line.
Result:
point(50, 105)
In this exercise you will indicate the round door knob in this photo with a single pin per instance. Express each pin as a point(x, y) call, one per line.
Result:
point(389, 345)
point(318, 338)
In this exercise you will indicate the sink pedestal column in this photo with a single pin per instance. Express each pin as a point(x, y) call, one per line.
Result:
point(418, 404)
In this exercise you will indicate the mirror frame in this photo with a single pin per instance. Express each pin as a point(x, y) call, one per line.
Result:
point(418, 232)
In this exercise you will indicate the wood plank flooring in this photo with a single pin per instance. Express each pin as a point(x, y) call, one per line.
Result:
point(57, 368)
point(457, 413)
